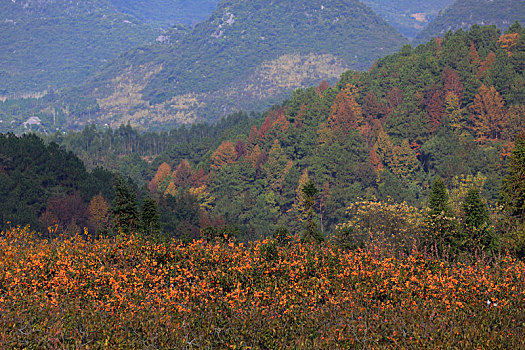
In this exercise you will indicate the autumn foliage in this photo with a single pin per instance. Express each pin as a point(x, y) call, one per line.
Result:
point(130, 293)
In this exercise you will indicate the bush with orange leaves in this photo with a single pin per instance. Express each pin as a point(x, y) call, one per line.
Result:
point(128, 293)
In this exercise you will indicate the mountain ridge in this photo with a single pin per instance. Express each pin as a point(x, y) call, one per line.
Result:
point(462, 14)
point(55, 43)
point(188, 75)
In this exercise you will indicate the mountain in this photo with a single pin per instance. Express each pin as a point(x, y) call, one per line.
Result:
point(465, 13)
point(450, 108)
point(167, 12)
point(57, 43)
point(409, 17)
point(246, 55)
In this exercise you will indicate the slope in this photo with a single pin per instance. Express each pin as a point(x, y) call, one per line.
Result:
point(464, 13)
point(57, 43)
point(409, 17)
point(167, 12)
point(450, 108)
point(247, 54)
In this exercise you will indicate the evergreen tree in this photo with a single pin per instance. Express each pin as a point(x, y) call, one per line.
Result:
point(124, 210)
point(311, 233)
point(441, 224)
point(514, 198)
point(514, 183)
point(476, 222)
point(150, 216)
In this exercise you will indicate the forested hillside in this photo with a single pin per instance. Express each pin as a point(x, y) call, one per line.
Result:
point(44, 185)
point(465, 13)
point(166, 13)
point(451, 108)
point(409, 17)
point(53, 44)
point(247, 54)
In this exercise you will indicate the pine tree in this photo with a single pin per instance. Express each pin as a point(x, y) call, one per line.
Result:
point(514, 183)
point(150, 216)
point(455, 114)
point(276, 167)
point(311, 233)
point(124, 210)
point(441, 224)
point(476, 223)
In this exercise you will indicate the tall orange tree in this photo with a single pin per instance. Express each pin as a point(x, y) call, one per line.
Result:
point(488, 114)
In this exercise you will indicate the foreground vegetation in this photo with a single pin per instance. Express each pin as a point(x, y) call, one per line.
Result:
point(127, 292)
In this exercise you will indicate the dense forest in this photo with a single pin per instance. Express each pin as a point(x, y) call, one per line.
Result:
point(462, 14)
point(375, 142)
point(166, 13)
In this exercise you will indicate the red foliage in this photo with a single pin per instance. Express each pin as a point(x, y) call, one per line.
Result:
point(163, 171)
point(323, 86)
point(66, 210)
point(435, 108)
point(487, 64)
point(266, 126)
point(199, 178)
point(372, 108)
point(345, 114)
point(240, 148)
point(183, 174)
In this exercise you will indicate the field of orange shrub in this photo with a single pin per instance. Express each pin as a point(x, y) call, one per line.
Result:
point(128, 293)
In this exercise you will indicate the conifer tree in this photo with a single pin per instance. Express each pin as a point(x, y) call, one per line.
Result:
point(514, 183)
point(311, 233)
point(476, 221)
point(150, 216)
point(514, 197)
point(441, 224)
point(276, 167)
point(124, 210)
point(455, 114)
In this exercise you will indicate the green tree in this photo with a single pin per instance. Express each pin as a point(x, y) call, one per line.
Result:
point(514, 197)
point(476, 223)
point(124, 210)
point(440, 221)
point(514, 183)
point(150, 216)
point(311, 233)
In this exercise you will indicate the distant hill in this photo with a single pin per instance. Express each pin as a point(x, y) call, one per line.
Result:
point(57, 43)
point(464, 13)
point(167, 12)
point(246, 55)
point(409, 17)
point(450, 108)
